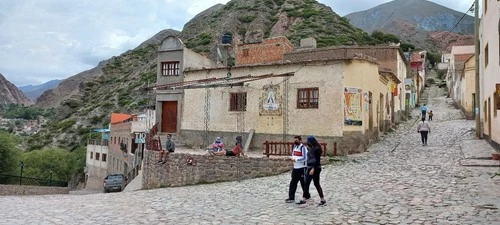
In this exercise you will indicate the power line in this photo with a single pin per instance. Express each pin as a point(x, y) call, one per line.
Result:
point(471, 8)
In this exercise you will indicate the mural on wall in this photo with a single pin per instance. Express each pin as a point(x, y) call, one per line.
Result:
point(366, 101)
point(353, 102)
point(387, 106)
point(270, 101)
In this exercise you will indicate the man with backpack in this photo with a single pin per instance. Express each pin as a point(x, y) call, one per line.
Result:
point(424, 129)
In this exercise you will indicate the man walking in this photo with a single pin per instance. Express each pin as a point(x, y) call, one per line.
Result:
point(424, 110)
point(299, 156)
point(424, 129)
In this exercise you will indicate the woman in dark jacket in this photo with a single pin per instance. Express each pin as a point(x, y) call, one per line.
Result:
point(314, 167)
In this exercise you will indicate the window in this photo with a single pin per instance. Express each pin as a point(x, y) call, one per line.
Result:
point(170, 68)
point(97, 156)
point(486, 56)
point(245, 52)
point(307, 98)
point(91, 155)
point(238, 101)
point(104, 156)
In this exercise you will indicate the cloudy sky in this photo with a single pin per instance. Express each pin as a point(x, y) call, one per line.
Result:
point(42, 40)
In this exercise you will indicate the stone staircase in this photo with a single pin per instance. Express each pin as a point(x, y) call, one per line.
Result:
point(424, 97)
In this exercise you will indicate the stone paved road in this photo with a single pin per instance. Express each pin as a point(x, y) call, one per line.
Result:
point(397, 182)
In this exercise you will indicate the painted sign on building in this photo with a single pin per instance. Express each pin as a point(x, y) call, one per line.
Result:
point(270, 101)
point(353, 102)
point(140, 138)
point(408, 84)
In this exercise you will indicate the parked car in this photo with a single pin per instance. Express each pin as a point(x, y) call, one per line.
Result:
point(114, 182)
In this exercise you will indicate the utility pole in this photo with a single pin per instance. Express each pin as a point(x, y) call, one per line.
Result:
point(476, 44)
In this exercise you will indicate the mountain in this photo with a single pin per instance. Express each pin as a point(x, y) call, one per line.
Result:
point(34, 91)
point(422, 23)
point(9, 94)
point(85, 101)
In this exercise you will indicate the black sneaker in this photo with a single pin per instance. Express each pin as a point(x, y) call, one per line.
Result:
point(289, 200)
point(322, 203)
point(301, 202)
point(160, 161)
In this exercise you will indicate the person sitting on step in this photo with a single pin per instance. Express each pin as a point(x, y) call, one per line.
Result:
point(217, 146)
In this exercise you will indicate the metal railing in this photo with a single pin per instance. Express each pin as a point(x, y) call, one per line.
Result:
point(19, 180)
point(101, 142)
point(280, 148)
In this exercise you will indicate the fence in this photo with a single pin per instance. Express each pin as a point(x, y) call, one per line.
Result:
point(18, 180)
point(286, 148)
point(153, 143)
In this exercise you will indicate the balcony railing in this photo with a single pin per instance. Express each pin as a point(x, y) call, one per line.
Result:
point(101, 142)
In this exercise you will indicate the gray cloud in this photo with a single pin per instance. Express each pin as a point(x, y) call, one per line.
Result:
point(42, 40)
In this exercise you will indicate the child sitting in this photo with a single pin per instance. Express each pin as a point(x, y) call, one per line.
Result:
point(217, 146)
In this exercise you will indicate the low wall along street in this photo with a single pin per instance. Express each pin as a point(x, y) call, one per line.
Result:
point(206, 169)
point(31, 190)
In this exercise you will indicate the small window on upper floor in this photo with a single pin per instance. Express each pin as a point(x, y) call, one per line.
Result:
point(91, 155)
point(97, 156)
point(238, 101)
point(307, 98)
point(245, 52)
point(104, 157)
point(486, 52)
point(170, 68)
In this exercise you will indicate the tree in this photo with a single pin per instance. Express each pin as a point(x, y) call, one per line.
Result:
point(406, 47)
point(62, 163)
point(9, 153)
point(385, 38)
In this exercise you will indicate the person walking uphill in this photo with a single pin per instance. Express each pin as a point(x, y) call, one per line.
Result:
point(424, 110)
point(313, 168)
point(424, 129)
point(299, 156)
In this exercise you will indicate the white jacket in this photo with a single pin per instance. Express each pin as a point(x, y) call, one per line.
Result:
point(299, 155)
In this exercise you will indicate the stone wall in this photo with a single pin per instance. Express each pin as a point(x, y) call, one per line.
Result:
point(206, 169)
point(194, 138)
point(31, 190)
point(357, 142)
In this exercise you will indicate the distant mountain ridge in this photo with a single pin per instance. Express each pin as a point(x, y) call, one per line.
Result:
point(417, 22)
point(34, 91)
point(9, 94)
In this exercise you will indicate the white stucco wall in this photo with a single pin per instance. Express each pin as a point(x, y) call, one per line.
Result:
point(489, 35)
point(327, 120)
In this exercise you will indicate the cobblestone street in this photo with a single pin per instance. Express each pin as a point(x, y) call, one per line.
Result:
point(398, 181)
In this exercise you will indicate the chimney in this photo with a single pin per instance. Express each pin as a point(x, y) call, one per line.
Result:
point(308, 43)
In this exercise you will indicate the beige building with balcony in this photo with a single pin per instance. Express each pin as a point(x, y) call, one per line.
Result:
point(489, 67)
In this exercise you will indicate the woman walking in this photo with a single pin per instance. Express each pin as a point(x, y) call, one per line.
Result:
point(313, 168)
point(424, 129)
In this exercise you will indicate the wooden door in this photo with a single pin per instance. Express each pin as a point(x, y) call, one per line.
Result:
point(370, 112)
point(489, 119)
point(169, 117)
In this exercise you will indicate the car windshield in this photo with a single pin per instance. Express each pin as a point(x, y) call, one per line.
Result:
point(114, 177)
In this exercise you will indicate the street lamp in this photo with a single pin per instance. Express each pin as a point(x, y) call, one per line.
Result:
point(21, 178)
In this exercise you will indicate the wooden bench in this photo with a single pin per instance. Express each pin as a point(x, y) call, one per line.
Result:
point(280, 148)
